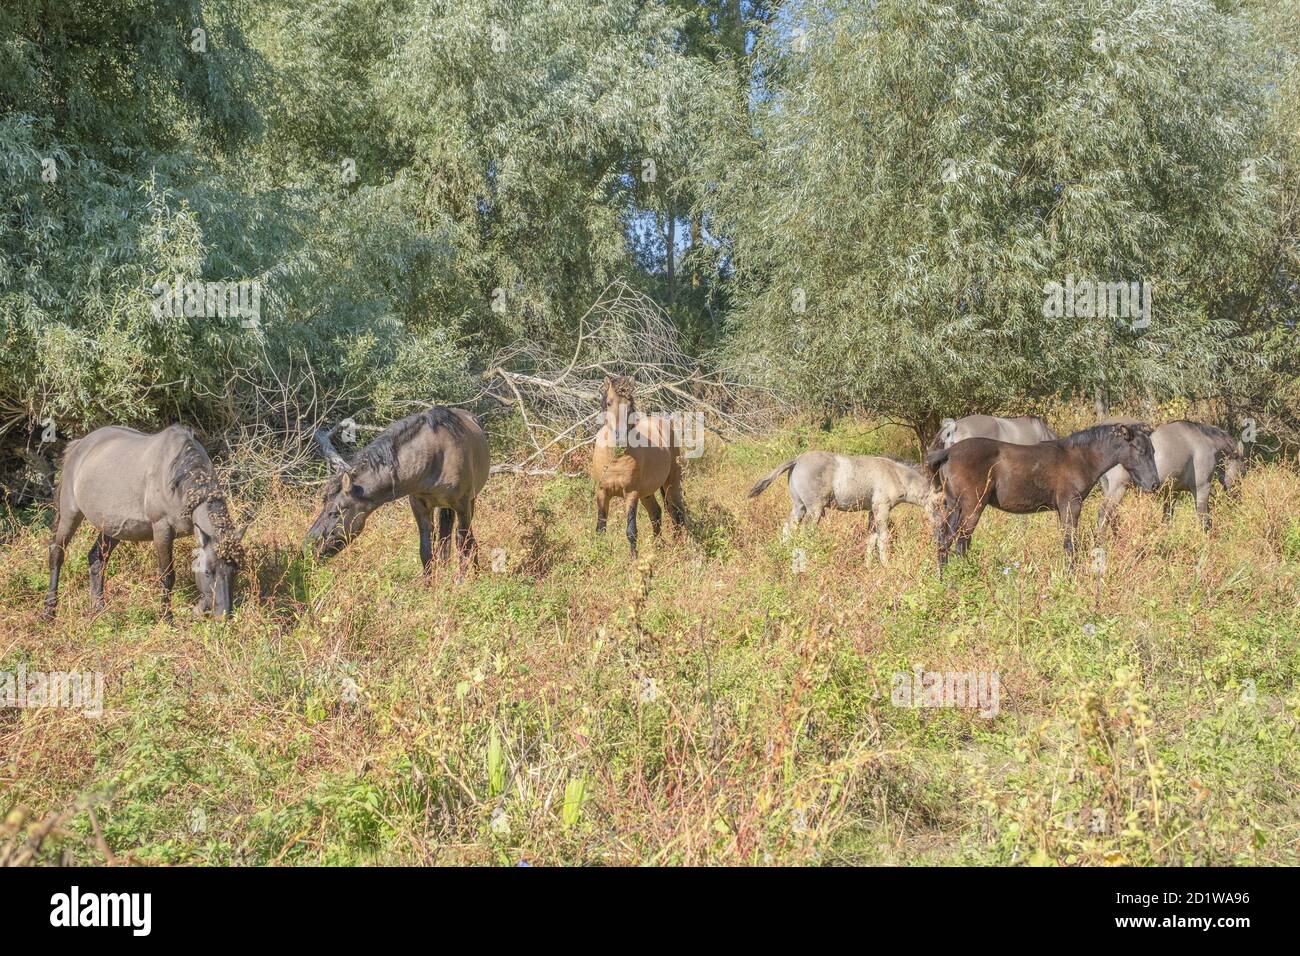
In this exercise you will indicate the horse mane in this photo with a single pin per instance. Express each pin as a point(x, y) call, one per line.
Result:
point(381, 454)
point(192, 476)
point(901, 461)
point(191, 472)
point(1222, 440)
point(915, 467)
point(1087, 436)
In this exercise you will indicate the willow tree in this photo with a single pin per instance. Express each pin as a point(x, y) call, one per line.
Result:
point(522, 138)
point(113, 122)
point(920, 172)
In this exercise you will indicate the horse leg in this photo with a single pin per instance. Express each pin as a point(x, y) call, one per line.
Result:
point(1203, 504)
point(66, 522)
point(1112, 495)
point(466, 546)
point(632, 498)
point(424, 522)
point(673, 498)
point(1068, 514)
point(797, 512)
point(602, 509)
point(814, 516)
point(162, 548)
point(656, 513)
point(446, 521)
point(98, 562)
point(880, 514)
point(966, 527)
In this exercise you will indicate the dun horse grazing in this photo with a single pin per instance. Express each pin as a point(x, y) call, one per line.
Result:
point(822, 479)
point(1189, 456)
point(1022, 430)
point(438, 458)
point(1022, 479)
point(635, 456)
point(137, 487)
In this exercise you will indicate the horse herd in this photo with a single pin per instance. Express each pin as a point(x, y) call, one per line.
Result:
point(137, 487)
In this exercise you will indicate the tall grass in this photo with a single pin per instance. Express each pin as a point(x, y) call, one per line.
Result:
point(725, 700)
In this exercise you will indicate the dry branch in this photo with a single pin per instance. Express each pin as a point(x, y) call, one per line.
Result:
point(556, 391)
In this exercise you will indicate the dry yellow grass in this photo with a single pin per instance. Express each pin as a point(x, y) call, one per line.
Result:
point(727, 700)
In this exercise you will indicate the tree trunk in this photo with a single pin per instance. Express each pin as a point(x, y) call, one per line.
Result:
point(671, 257)
point(926, 428)
point(695, 241)
point(1100, 403)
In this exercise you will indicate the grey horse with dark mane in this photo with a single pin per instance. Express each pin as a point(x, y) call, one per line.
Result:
point(137, 487)
point(1189, 456)
point(438, 458)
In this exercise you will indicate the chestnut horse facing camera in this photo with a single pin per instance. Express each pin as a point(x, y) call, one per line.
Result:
point(635, 456)
point(1022, 479)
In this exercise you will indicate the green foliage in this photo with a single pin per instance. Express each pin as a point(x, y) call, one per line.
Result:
point(129, 127)
point(386, 170)
point(919, 171)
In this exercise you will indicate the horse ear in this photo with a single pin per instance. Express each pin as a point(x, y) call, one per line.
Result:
point(347, 481)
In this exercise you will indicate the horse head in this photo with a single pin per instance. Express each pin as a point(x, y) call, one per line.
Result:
point(618, 404)
point(215, 565)
point(344, 504)
point(217, 559)
point(1131, 445)
point(1232, 465)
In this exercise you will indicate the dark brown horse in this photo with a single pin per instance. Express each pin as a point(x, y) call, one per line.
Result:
point(1022, 479)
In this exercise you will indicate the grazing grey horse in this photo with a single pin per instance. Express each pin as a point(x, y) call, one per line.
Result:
point(437, 457)
point(823, 479)
point(1021, 430)
point(1189, 456)
point(137, 487)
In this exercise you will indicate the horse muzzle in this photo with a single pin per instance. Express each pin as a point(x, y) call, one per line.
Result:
point(325, 546)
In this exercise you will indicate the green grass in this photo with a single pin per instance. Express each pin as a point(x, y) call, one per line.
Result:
point(711, 704)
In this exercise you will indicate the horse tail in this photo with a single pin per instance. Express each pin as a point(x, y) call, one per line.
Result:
point(761, 485)
point(935, 460)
